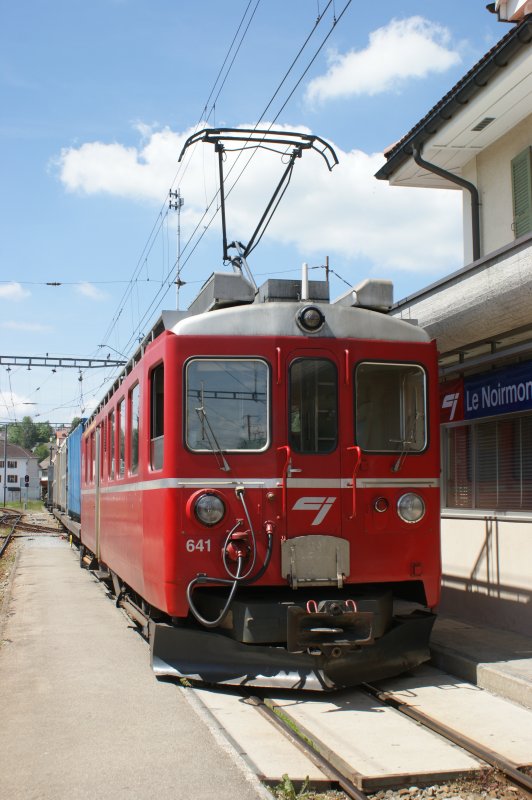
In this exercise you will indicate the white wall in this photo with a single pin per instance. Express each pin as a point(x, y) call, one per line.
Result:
point(487, 572)
point(490, 172)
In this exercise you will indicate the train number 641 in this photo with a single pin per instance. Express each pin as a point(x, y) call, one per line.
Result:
point(198, 544)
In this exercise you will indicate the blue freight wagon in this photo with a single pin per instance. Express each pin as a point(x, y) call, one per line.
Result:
point(74, 471)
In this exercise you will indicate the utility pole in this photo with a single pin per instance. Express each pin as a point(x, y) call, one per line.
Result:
point(176, 203)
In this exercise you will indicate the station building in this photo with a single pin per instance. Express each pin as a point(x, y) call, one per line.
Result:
point(19, 473)
point(478, 140)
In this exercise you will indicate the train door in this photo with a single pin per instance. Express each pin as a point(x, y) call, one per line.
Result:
point(314, 550)
point(97, 484)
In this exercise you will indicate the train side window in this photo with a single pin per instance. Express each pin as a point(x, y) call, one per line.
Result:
point(121, 424)
point(157, 417)
point(86, 459)
point(227, 405)
point(93, 458)
point(134, 412)
point(390, 407)
point(111, 448)
point(313, 401)
point(104, 433)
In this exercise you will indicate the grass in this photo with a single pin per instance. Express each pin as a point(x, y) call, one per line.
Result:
point(287, 790)
point(30, 505)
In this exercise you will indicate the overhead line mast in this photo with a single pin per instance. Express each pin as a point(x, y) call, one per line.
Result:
point(50, 361)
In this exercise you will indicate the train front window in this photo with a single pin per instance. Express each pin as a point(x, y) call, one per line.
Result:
point(313, 406)
point(227, 404)
point(390, 408)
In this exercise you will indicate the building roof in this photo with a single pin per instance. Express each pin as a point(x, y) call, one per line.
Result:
point(487, 102)
point(13, 450)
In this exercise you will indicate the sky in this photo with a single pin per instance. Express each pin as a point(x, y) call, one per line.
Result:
point(96, 102)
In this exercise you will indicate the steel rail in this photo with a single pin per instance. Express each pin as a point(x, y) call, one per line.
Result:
point(29, 527)
point(508, 768)
point(306, 747)
point(9, 536)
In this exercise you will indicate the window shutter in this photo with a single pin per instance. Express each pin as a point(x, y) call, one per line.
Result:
point(522, 192)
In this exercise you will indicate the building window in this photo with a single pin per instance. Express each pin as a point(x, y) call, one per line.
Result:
point(522, 192)
point(12, 478)
point(489, 464)
point(12, 464)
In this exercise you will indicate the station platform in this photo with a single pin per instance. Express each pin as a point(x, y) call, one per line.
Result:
point(82, 713)
point(493, 659)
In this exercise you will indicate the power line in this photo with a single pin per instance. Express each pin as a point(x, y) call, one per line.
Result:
point(160, 296)
point(181, 170)
point(194, 239)
point(77, 283)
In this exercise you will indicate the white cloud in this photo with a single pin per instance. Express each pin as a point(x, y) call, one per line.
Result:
point(402, 50)
point(13, 291)
point(347, 213)
point(91, 291)
point(24, 326)
point(96, 167)
point(14, 406)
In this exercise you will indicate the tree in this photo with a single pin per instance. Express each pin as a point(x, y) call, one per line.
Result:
point(75, 422)
point(44, 431)
point(42, 451)
point(27, 434)
point(23, 433)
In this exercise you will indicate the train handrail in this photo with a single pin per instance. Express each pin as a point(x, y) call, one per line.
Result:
point(358, 461)
point(288, 451)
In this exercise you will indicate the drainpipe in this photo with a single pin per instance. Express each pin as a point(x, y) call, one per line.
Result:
point(475, 203)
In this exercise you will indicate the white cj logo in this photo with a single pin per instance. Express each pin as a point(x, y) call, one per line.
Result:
point(450, 401)
point(320, 504)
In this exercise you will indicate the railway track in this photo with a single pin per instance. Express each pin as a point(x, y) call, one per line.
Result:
point(8, 520)
point(367, 740)
point(19, 524)
point(515, 775)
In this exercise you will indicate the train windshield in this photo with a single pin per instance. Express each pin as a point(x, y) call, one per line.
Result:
point(390, 407)
point(227, 404)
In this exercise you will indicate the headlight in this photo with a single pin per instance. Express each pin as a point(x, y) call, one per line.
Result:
point(310, 319)
point(411, 507)
point(209, 509)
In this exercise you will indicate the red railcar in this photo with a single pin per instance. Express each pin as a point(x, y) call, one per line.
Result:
point(262, 484)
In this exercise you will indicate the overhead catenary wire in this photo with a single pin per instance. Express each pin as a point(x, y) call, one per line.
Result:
point(180, 171)
point(207, 219)
point(200, 224)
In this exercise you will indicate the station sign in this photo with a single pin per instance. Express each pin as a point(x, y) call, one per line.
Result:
point(501, 391)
